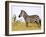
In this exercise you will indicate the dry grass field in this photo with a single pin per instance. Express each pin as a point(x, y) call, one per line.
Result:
point(19, 26)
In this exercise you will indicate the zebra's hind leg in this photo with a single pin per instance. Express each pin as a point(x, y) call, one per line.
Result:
point(26, 24)
point(38, 23)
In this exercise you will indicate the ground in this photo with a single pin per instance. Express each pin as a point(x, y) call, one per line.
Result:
point(19, 26)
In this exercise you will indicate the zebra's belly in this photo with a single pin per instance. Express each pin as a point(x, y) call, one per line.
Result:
point(30, 19)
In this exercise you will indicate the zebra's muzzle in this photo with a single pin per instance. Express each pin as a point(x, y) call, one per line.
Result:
point(19, 16)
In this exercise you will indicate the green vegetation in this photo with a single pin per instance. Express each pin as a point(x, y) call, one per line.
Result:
point(16, 26)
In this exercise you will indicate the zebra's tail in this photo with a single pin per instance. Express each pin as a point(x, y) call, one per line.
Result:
point(40, 22)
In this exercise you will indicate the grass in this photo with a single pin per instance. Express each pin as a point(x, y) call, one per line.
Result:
point(17, 26)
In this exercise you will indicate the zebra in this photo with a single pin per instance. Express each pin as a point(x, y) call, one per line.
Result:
point(32, 18)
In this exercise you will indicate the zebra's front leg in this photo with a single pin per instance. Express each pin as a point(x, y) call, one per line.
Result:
point(26, 24)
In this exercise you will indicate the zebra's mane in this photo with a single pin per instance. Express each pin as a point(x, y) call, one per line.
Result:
point(24, 12)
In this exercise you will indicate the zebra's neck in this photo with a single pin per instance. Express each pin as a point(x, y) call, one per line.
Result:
point(25, 16)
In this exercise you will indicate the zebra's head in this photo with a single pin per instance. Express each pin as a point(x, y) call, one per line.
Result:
point(21, 13)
